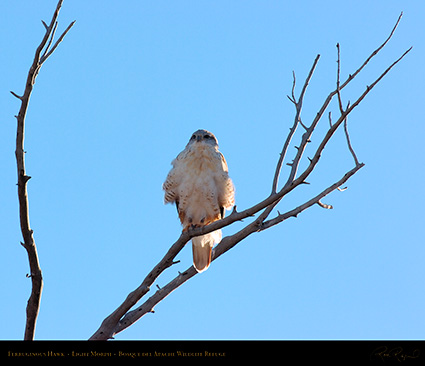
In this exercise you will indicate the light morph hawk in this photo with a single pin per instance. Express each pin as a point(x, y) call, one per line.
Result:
point(200, 186)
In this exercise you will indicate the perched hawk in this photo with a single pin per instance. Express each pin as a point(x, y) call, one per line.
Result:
point(200, 186)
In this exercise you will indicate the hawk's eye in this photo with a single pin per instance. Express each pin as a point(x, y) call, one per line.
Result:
point(207, 137)
point(193, 137)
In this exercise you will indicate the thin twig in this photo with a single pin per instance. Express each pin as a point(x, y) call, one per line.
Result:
point(312, 201)
point(16, 95)
point(338, 90)
point(292, 98)
point(297, 119)
point(373, 54)
point(52, 35)
point(45, 25)
point(350, 147)
point(335, 126)
point(324, 205)
point(45, 57)
point(307, 136)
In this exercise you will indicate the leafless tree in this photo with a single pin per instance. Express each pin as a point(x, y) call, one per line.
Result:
point(124, 315)
point(43, 52)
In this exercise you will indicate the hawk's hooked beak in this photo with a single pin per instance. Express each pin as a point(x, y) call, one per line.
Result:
point(198, 138)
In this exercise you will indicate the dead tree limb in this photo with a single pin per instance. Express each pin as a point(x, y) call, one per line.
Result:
point(123, 317)
point(28, 243)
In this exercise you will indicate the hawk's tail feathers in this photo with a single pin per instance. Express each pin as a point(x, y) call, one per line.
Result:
point(202, 248)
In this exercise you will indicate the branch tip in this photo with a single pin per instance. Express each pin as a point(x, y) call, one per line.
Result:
point(324, 205)
point(17, 96)
point(291, 99)
point(26, 178)
point(303, 125)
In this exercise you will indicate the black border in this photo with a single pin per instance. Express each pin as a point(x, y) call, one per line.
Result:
point(376, 352)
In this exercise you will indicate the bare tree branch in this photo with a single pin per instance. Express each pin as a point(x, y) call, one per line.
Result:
point(314, 200)
point(226, 244)
point(373, 54)
point(356, 161)
point(297, 120)
point(52, 35)
point(123, 317)
point(27, 233)
point(338, 88)
point(47, 55)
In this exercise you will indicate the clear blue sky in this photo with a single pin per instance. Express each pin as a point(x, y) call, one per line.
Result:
point(119, 100)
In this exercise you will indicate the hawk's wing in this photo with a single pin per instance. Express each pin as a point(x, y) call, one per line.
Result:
point(226, 190)
point(174, 179)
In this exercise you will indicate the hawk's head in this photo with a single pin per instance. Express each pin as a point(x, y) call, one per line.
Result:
point(203, 136)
